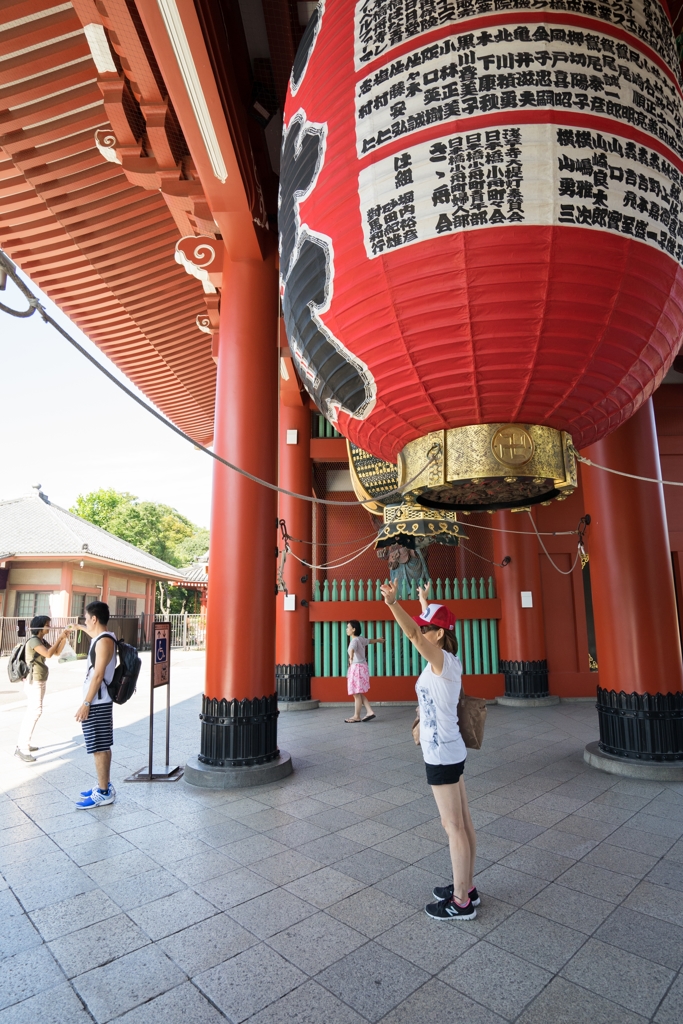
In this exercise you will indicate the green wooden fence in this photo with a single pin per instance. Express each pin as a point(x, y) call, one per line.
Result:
point(320, 427)
point(477, 638)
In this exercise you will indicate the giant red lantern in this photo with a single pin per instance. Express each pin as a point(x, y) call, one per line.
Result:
point(481, 232)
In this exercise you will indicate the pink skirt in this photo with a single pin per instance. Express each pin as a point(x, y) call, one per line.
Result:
point(358, 677)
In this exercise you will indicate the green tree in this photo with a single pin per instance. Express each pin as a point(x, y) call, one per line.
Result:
point(153, 527)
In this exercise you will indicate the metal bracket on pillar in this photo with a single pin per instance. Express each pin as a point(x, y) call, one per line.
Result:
point(526, 684)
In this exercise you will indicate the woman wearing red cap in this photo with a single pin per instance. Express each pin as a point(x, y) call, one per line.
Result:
point(443, 748)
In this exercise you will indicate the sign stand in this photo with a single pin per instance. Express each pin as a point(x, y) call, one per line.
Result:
point(160, 676)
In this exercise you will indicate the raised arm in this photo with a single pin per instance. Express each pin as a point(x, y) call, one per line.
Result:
point(49, 652)
point(429, 651)
point(423, 594)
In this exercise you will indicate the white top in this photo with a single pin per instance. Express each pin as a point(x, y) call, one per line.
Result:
point(102, 695)
point(357, 648)
point(438, 697)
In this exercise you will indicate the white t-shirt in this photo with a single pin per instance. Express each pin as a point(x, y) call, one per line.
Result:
point(357, 648)
point(438, 697)
point(102, 695)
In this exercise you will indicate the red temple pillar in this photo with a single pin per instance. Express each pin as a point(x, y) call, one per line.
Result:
point(239, 706)
point(521, 634)
point(293, 646)
point(640, 704)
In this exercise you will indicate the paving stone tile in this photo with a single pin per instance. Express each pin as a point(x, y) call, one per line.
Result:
point(97, 944)
point(439, 864)
point(58, 1005)
point(339, 797)
point(330, 849)
point(234, 887)
point(254, 848)
point(399, 795)
point(40, 847)
point(271, 913)
point(285, 866)
point(564, 843)
point(661, 941)
point(370, 865)
point(177, 1006)
point(368, 833)
point(587, 828)
point(595, 881)
point(372, 980)
point(370, 911)
point(671, 1010)
point(206, 944)
point(267, 818)
point(571, 908)
point(17, 934)
point(670, 827)
point(436, 1001)
point(615, 974)
point(324, 887)
point(542, 864)
point(121, 867)
point(668, 873)
point(69, 882)
point(308, 1004)
point(228, 831)
point(172, 913)
point(19, 833)
point(299, 833)
point(410, 848)
point(230, 986)
point(201, 866)
point(419, 940)
point(316, 942)
point(497, 979)
point(536, 939)
point(100, 849)
point(27, 973)
point(408, 815)
point(509, 885)
point(564, 1003)
point(675, 852)
point(74, 913)
point(129, 981)
point(83, 832)
point(304, 807)
point(658, 901)
point(616, 858)
point(641, 842)
point(9, 904)
point(143, 888)
point(410, 885)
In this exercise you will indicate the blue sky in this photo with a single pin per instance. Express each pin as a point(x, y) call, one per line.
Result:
point(51, 396)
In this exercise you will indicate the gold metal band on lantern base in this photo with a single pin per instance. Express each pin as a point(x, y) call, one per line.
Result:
point(406, 523)
point(489, 466)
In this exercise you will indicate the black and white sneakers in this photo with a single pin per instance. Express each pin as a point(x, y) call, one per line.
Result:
point(445, 892)
point(449, 910)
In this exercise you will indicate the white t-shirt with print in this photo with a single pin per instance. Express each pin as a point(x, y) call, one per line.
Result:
point(438, 697)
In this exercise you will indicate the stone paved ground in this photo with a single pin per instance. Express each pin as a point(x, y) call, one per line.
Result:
point(302, 901)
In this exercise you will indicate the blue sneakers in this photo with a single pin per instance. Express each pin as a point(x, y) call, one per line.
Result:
point(89, 792)
point(96, 799)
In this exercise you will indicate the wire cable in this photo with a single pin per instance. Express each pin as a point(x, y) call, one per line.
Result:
point(563, 572)
point(630, 476)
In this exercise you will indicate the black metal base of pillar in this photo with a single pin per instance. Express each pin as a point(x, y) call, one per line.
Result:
point(238, 733)
point(645, 728)
point(526, 680)
point(293, 683)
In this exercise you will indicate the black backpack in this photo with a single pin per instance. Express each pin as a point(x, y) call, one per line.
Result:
point(124, 681)
point(17, 667)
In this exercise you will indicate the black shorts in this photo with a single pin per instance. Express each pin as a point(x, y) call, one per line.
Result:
point(98, 728)
point(444, 774)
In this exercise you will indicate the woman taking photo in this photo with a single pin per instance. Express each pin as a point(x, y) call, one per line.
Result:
point(34, 687)
point(438, 690)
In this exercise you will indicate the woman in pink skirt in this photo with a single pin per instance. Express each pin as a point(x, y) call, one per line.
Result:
point(358, 674)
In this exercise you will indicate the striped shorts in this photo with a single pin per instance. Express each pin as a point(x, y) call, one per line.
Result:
point(98, 728)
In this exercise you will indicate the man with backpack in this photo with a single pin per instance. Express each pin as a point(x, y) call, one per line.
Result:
point(95, 712)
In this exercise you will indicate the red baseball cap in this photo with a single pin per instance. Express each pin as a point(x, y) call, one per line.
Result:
point(436, 615)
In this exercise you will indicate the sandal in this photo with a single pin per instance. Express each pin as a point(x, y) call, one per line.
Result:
point(353, 721)
point(368, 718)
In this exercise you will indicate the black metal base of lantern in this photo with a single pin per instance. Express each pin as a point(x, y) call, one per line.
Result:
point(525, 680)
point(293, 683)
point(238, 733)
point(641, 727)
